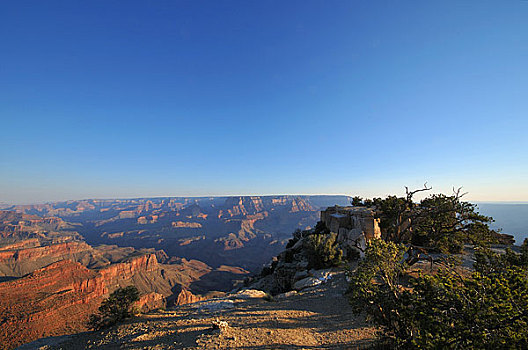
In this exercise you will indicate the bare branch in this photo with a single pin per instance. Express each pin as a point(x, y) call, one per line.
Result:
point(410, 194)
point(456, 193)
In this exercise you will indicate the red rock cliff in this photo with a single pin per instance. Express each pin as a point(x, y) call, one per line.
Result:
point(58, 298)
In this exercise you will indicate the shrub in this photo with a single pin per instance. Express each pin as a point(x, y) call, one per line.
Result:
point(444, 310)
point(115, 308)
point(323, 251)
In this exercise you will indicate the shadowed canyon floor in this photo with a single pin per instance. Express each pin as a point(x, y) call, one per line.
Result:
point(318, 318)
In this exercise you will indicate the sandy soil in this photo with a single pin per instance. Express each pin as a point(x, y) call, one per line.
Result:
point(319, 318)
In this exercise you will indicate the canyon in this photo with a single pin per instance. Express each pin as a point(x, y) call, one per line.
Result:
point(59, 260)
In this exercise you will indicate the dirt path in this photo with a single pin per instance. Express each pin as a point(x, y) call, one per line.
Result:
point(319, 318)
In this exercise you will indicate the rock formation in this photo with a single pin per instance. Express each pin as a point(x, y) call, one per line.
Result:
point(354, 225)
point(291, 269)
point(186, 297)
point(49, 301)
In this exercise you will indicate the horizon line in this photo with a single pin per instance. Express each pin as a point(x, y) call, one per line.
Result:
point(229, 196)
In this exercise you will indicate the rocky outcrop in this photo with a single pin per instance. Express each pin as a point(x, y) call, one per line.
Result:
point(179, 224)
point(47, 302)
point(15, 227)
point(150, 301)
point(18, 262)
point(150, 219)
point(286, 269)
point(293, 268)
point(26, 243)
point(241, 206)
point(355, 226)
point(186, 297)
point(58, 298)
point(126, 270)
point(306, 283)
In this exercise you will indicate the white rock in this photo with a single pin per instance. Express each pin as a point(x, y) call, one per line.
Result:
point(306, 283)
point(249, 294)
point(221, 325)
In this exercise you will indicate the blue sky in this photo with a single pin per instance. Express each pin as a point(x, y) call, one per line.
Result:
point(135, 98)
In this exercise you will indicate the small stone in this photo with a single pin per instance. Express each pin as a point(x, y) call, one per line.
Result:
point(221, 325)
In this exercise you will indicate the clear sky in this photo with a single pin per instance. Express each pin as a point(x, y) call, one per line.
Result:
point(156, 98)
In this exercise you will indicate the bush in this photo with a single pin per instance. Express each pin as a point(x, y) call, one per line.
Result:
point(438, 223)
point(323, 251)
point(115, 308)
point(445, 310)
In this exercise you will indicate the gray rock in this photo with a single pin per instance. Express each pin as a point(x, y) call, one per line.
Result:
point(299, 275)
point(306, 283)
point(302, 265)
point(286, 295)
point(298, 246)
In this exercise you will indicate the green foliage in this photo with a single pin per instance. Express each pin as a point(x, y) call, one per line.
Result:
point(445, 223)
point(357, 201)
point(360, 202)
point(115, 308)
point(395, 214)
point(485, 310)
point(323, 250)
point(374, 285)
point(438, 223)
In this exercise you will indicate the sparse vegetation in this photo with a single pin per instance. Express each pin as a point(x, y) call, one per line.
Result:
point(437, 224)
point(116, 308)
point(487, 309)
point(323, 250)
point(447, 307)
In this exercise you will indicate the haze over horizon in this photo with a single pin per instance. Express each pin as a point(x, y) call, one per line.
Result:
point(134, 99)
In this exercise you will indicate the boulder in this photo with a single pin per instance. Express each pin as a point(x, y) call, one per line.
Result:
point(299, 275)
point(306, 283)
point(249, 294)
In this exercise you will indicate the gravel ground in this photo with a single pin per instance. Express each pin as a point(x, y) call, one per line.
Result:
point(318, 318)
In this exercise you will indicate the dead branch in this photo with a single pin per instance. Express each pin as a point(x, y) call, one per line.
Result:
point(410, 194)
